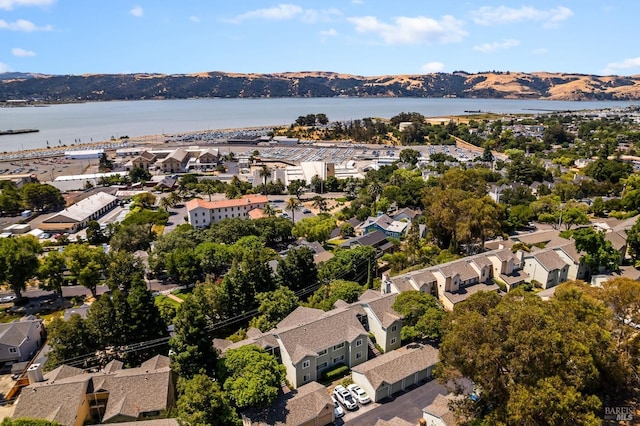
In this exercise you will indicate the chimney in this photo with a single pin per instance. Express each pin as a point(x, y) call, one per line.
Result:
point(34, 373)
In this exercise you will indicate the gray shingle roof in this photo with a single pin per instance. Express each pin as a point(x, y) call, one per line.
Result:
point(382, 308)
point(333, 328)
point(394, 366)
point(294, 408)
point(14, 333)
point(131, 391)
point(440, 408)
point(396, 421)
point(549, 259)
point(466, 292)
point(301, 315)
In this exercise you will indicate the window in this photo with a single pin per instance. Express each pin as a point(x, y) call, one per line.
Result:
point(321, 366)
point(394, 328)
point(393, 340)
point(340, 346)
point(358, 343)
point(338, 359)
point(13, 350)
point(323, 352)
point(306, 364)
point(306, 378)
point(359, 355)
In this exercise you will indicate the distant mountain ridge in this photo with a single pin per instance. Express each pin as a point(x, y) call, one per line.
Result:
point(502, 85)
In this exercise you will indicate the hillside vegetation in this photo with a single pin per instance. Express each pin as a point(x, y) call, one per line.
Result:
point(507, 85)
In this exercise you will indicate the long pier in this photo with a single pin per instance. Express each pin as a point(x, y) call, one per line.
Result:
point(18, 131)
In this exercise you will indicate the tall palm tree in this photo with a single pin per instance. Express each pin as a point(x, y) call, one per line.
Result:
point(293, 205)
point(269, 210)
point(265, 173)
point(375, 189)
point(320, 203)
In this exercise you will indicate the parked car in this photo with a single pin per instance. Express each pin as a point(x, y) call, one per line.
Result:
point(7, 299)
point(306, 211)
point(345, 397)
point(359, 394)
point(338, 411)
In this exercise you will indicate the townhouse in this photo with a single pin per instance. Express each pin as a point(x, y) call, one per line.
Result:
point(310, 341)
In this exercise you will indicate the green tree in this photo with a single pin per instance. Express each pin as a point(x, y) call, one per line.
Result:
point(37, 196)
point(293, 205)
point(297, 269)
point(328, 294)
point(138, 174)
point(203, 403)
point(347, 230)
point(145, 322)
point(599, 253)
point(145, 199)
point(633, 241)
point(265, 174)
point(132, 237)
point(86, 264)
point(122, 269)
point(320, 203)
point(297, 187)
point(69, 340)
point(574, 215)
point(422, 315)
point(409, 156)
point(253, 376)
point(94, 233)
point(316, 228)
point(274, 307)
point(489, 340)
point(27, 422)
point(51, 272)
point(192, 345)
point(18, 262)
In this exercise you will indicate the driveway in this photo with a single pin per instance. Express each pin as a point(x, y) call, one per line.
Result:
point(407, 406)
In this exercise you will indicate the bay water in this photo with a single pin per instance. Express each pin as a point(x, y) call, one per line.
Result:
point(67, 124)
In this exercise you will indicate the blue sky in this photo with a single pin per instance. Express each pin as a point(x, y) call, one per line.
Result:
point(362, 37)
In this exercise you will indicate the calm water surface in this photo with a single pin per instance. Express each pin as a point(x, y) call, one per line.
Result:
point(98, 121)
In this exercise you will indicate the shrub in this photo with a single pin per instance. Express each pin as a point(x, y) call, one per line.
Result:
point(336, 372)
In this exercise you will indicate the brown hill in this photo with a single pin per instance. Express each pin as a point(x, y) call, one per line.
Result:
point(507, 85)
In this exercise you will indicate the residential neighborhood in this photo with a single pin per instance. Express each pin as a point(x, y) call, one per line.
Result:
point(280, 279)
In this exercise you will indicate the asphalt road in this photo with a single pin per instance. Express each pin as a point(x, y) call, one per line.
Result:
point(407, 406)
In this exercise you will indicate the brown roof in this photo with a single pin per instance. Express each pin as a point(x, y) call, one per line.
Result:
point(440, 408)
point(394, 366)
point(53, 401)
point(294, 408)
point(156, 422)
point(460, 267)
point(301, 315)
point(132, 392)
point(504, 255)
point(549, 259)
point(617, 240)
point(382, 308)
point(571, 251)
point(464, 292)
point(335, 327)
point(396, 421)
point(369, 295)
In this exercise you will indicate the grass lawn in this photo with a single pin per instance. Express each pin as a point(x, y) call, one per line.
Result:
point(8, 317)
point(182, 294)
point(158, 229)
point(162, 299)
point(50, 317)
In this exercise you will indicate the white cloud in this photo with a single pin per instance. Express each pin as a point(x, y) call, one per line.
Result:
point(331, 32)
point(17, 51)
point(137, 11)
point(407, 30)
point(11, 4)
point(496, 45)
point(615, 67)
point(195, 19)
point(430, 67)
point(489, 15)
point(4, 67)
point(23, 25)
point(312, 16)
point(357, 1)
point(325, 34)
point(279, 13)
point(540, 51)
